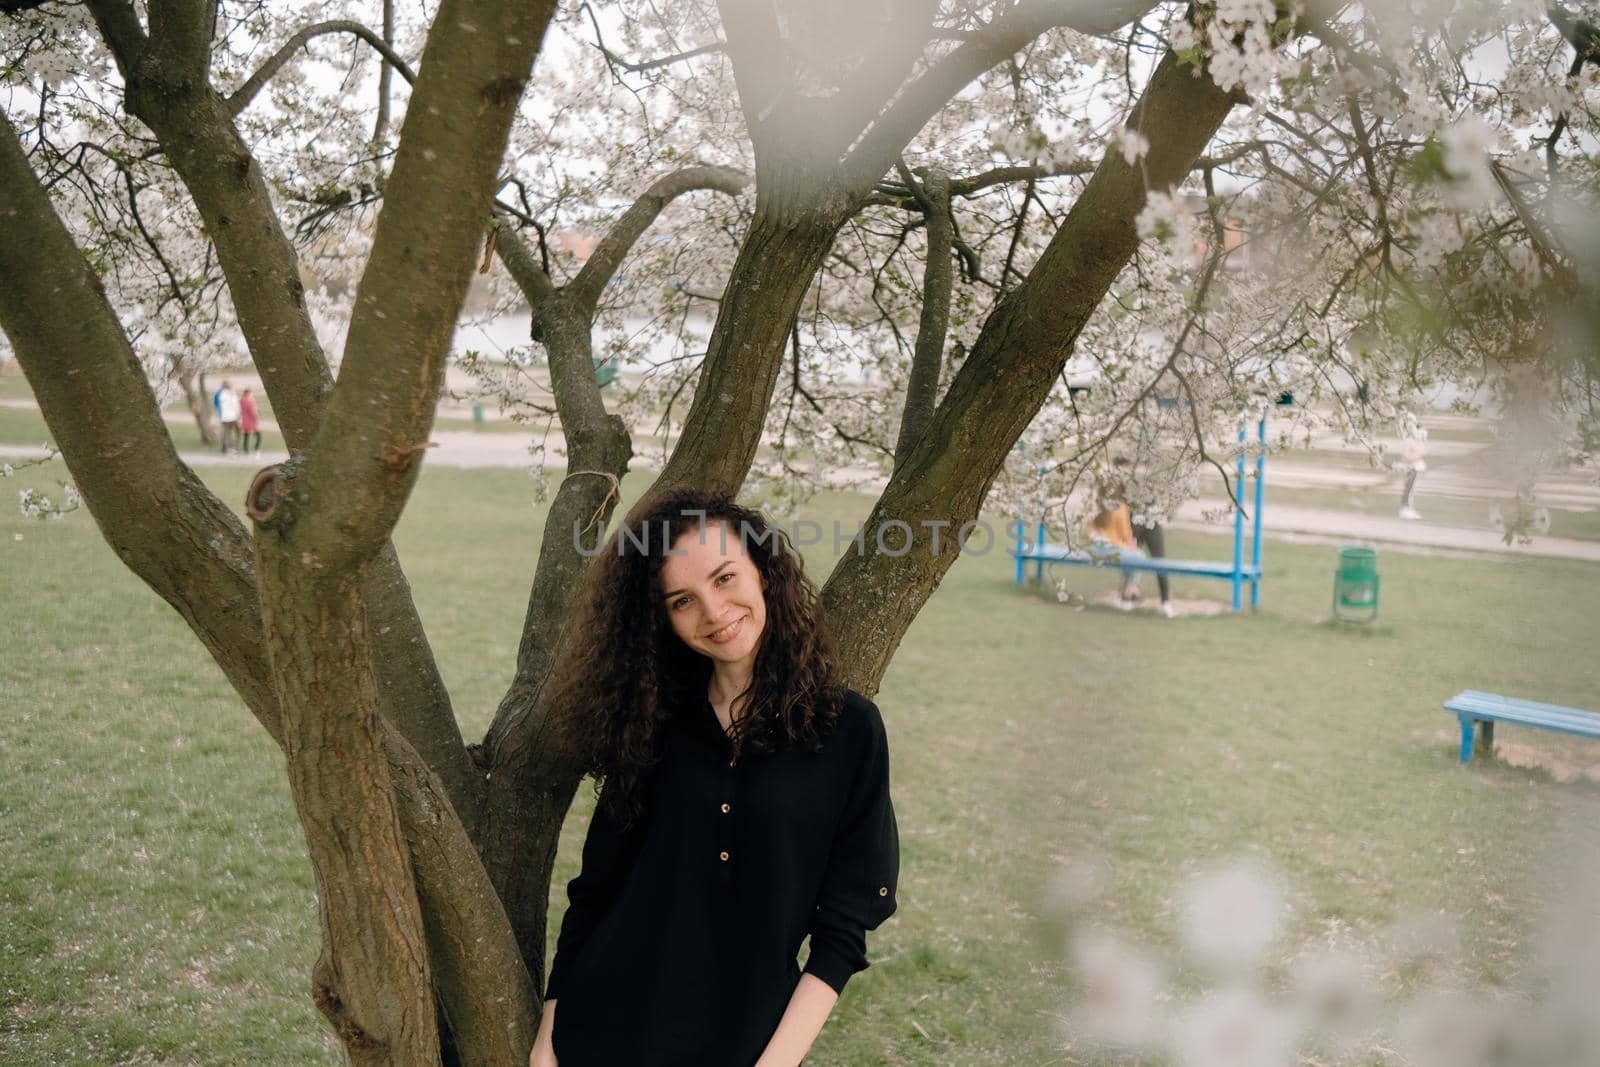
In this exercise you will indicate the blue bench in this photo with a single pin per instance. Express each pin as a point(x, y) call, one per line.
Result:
point(1472, 707)
point(1240, 571)
point(1200, 568)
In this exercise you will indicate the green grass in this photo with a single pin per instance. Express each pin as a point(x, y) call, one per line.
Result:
point(156, 904)
point(27, 426)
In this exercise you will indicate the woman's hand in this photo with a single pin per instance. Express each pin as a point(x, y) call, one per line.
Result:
point(544, 1050)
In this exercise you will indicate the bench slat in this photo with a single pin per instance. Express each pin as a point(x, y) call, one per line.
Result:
point(1473, 697)
point(1485, 706)
point(1169, 566)
point(1583, 724)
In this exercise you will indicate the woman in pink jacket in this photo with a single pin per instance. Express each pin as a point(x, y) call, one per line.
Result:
point(249, 421)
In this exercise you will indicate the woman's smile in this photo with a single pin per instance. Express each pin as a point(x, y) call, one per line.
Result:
point(728, 632)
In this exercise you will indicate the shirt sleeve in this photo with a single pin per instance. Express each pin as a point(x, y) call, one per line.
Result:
point(858, 888)
point(608, 854)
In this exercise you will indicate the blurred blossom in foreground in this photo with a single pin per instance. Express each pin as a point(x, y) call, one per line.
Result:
point(1334, 998)
point(1231, 916)
point(1329, 1005)
point(1120, 992)
point(1233, 1027)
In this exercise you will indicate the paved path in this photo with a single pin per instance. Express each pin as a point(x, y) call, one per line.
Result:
point(1327, 526)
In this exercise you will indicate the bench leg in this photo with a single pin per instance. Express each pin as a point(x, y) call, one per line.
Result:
point(1486, 737)
point(1466, 738)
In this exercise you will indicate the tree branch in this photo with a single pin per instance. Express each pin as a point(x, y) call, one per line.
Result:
point(180, 37)
point(241, 97)
point(922, 386)
point(969, 187)
point(663, 61)
point(922, 99)
point(93, 395)
point(120, 29)
point(602, 264)
point(366, 455)
point(263, 272)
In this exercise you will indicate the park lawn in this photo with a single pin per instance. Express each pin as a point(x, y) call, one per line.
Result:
point(26, 426)
point(157, 906)
point(14, 387)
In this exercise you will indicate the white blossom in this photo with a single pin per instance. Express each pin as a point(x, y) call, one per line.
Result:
point(1133, 145)
point(1119, 1001)
point(1233, 1027)
point(1231, 916)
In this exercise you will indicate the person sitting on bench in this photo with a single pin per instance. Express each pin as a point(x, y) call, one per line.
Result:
point(1111, 538)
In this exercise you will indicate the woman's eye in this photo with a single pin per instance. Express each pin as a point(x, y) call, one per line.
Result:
point(725, 577)
point(681, 602)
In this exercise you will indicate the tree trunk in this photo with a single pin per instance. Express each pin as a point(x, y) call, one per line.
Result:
point(379, 995)
point(194, 393)
point(530, 786)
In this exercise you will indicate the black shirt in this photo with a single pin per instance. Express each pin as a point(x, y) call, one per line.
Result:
point(679, 945)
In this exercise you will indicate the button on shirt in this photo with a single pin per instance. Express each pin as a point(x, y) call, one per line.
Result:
point(680, 942)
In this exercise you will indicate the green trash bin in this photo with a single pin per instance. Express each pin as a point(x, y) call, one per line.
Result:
point(1355, 585)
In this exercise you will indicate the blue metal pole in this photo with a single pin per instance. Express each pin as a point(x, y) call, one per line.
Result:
point(1238, 524)
point(1038, 568)
point(1021, 547)
point(1255, 537)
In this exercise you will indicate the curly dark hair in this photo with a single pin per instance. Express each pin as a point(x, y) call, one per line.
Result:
point(623, 671)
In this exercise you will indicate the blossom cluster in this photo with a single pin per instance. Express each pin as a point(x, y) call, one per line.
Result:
point(1237, 996)
point(36, 505)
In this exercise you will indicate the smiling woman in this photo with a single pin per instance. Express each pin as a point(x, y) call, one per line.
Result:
point(744, 802)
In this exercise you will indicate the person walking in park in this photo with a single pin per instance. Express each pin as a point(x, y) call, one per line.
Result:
point(743, 802)
point(1413, 453)
point(249, 421)
point(228, 414)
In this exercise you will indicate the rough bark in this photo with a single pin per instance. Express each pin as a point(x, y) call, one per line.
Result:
point(487, 994)
point(872, 596)
point(380, 996)
point(922, 386)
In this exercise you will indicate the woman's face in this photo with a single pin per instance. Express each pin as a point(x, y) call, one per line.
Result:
point(714, 596)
